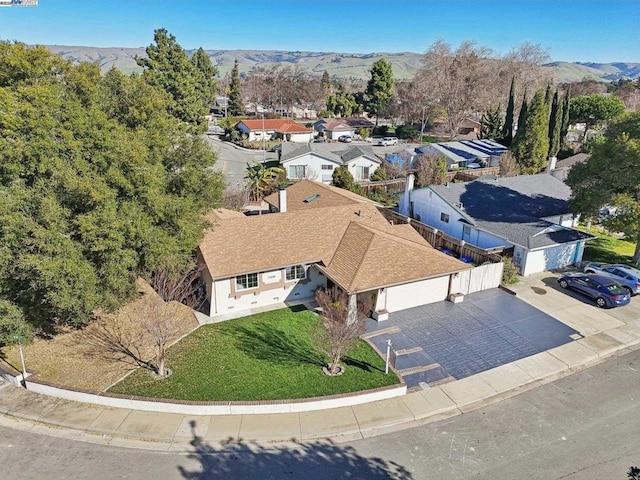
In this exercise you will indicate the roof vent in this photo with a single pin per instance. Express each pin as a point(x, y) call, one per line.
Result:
point(313, 197)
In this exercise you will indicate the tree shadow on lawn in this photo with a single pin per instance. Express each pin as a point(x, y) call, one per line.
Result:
point(276, 346)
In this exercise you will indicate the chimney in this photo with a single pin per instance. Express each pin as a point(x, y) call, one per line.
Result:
point(551, 164)
point(282, 199)
point(406, 196)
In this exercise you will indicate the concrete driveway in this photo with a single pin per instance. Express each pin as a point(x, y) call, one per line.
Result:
point(573, 309)
point(442, 342)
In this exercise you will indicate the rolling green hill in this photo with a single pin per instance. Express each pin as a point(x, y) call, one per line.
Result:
point(339, 65)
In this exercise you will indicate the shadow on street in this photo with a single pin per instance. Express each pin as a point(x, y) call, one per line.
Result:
point(314, 461)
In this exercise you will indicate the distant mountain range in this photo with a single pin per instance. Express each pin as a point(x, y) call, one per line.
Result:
point(338, 65)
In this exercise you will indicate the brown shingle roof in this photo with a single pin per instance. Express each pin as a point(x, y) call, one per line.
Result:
point(368, 258)
point(329, 196)
point(258, 243)
point(218, 214)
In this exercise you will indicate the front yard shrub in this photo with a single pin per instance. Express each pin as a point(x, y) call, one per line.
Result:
point(510, 272)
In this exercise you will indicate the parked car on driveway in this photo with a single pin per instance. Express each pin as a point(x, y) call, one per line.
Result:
point(386, 141)
point(345, 139)
point(627, 276)
point(602, 288)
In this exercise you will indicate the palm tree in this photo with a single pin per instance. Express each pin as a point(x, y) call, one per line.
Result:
point(260, 177)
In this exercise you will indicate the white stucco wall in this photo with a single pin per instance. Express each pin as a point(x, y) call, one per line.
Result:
point(553, 257)
point(226, 302)
point(362, 162)
point(314, 165)
point(418, 293)
point(298, 137)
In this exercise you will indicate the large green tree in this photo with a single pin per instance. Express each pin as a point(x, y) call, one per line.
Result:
point(205, 75)
point(611, 177)
point(235, 105)
point(168, 66)
point(379, 87)
point(594, 110)
point(99, 184)
point(532, 146)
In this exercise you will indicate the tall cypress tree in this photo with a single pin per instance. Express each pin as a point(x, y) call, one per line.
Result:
point(547, 95)
point(532, 146)
point(507, 128)
point(235, 91)
point(564, 124)
point(555, 125)
point(521, 122)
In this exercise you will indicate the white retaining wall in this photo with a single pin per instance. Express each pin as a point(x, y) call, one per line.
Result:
point(221, 408)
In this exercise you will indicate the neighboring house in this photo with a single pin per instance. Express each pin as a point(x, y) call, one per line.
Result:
point(465, 152)
point(271, 129)
point(307, 195)
point(334, 128)
point(528, 213)
point(560, 168)
point(316, 162)
point(250, 262)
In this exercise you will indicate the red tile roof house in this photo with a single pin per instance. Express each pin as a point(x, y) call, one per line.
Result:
point(271, 129)
point(319, 237)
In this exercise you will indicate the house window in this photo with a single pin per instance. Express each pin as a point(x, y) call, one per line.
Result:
point(297, 172)
point(466, 230)
point(245, 282)
point(362, 173)
point(296, 272)
point(327, 167)
point(444, 217)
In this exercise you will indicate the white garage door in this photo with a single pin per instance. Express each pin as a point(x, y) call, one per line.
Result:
point(417, 293)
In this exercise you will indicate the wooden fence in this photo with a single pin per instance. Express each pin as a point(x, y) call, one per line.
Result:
point(395, 185)
point(442, 241)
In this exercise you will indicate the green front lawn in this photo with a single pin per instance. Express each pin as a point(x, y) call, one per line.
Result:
point(263, 357)
point(607, 248)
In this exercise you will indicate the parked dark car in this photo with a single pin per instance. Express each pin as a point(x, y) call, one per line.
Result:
point(603, 289)
point(625, 275)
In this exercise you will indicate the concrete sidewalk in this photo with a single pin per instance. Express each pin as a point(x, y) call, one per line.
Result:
point(607, 333)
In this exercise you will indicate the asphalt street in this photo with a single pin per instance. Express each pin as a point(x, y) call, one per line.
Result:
point(580, 427)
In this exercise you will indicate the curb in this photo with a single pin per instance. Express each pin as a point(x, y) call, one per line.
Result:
point(379, 427)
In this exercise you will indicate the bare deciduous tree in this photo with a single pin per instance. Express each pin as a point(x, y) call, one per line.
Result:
point(430, 170)
point(508, 165)
point(180, 287)
point(455, 79)
point(139, 339)
point(235, 198)
point(335, 336)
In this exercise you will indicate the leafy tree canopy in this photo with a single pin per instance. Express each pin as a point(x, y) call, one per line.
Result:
point(595, 110)
point(380, 87)
point(188, 83)
point(98, 185)
point(611, 177)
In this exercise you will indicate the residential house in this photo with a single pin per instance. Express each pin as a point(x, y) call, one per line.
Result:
point(252, 262)
point(560, 168)
point(316, 162)
point(527, 213)
point(334, 128)
point(308, 194)
point(271, 129)
point(466, 153)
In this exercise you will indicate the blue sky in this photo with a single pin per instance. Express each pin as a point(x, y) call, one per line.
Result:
point(571, 30)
